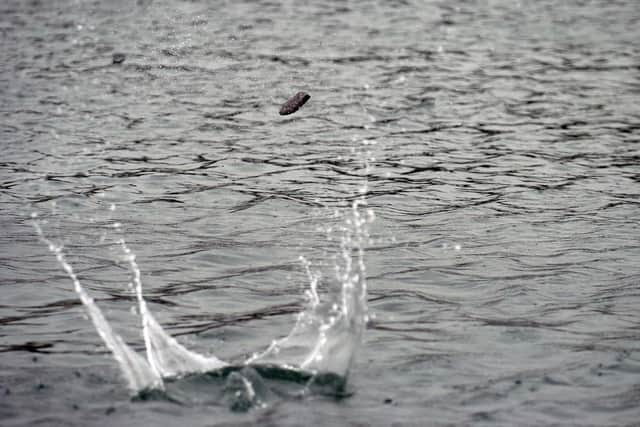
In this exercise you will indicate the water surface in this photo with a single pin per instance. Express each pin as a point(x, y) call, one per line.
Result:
point(503, 266)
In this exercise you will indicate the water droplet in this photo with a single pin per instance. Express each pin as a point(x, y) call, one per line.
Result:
point(370, 215)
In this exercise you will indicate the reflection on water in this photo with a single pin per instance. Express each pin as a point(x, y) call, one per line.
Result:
point(502, 270)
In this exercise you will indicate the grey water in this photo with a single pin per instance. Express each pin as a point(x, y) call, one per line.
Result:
point(503, 149)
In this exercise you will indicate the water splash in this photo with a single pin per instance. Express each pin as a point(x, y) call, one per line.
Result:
point(320, 347)
point(328, 332)
point(135, 369)
point(166, 356)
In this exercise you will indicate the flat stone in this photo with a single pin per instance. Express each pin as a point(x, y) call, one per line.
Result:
point(294, 103)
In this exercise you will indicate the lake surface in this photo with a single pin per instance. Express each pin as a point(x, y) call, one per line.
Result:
point(500, 146)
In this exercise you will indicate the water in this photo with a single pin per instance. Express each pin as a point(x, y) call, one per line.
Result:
point(503, 171)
